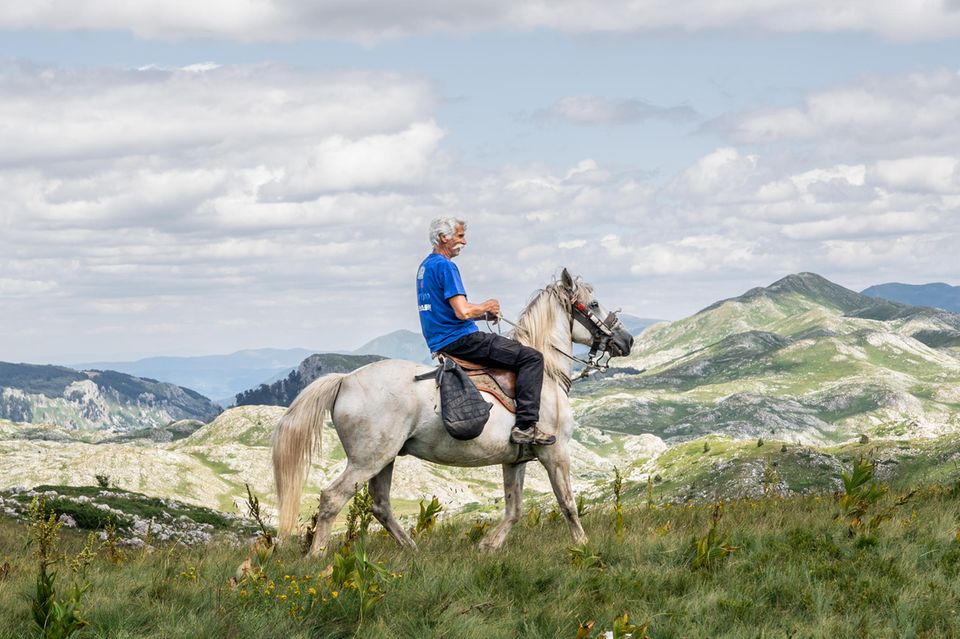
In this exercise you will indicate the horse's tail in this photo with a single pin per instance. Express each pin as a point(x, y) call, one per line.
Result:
point(294, 438)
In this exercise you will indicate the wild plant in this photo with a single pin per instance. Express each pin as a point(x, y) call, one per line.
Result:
point(650, 503)
point(859, 503)
point(534, 515)
point(706, 447)
point(582, 508)
point(103, 481)
point(771, 479)
point(85, 557)
point(253, 510)
point(46, 531)
point(584, 557)
point(427, 517)
point(111, 543)
point(622, 629)
point(477, 531)
point(56, 618)
point(617, 486)
point(353, 583)
point(760, 442)
point(712, 549)
point(359, 515)
point(554, 515)
point(306, 540)
point(354, 571)
point(860, 493)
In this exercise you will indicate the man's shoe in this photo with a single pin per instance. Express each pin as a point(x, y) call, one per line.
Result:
point(532, 436)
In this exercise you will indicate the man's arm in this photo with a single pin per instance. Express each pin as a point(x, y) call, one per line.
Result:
point(467, 311)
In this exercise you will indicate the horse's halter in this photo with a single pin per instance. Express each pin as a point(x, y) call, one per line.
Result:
point(600, 330)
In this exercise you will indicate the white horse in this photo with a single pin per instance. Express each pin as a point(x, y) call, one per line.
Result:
point(380, 412)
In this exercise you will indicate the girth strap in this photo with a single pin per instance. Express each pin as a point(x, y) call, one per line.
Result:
point(428, 375)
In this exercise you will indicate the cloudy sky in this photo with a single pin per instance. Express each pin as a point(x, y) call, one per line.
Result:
point(185, 180)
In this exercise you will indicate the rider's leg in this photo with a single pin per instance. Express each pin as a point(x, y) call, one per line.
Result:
point(489, 349)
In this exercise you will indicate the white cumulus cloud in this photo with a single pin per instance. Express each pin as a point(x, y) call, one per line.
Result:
point(373, 20)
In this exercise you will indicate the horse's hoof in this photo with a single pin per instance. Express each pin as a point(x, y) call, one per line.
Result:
point(489, 546)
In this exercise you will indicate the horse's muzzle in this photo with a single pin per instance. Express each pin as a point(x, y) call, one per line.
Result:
point(621, 343)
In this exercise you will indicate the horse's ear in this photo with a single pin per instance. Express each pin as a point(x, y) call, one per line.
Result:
point(566, 279)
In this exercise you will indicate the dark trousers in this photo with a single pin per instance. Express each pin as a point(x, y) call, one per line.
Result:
point(489, 349)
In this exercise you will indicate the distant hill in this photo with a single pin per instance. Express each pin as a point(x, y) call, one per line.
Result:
point(283, 392)
point(803, 359)
point(936, 295)
point(401, 344)
point(95, 399)
point(637, 325)
point(214, 376)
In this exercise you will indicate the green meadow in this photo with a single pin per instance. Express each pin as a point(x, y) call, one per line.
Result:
point(862, 562)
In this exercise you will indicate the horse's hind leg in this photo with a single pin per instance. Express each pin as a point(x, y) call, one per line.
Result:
point(558, 469)
point(332, 500)
point(513, 475)
point(380, 492)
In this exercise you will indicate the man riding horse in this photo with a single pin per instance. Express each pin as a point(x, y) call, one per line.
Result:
point(447, 321)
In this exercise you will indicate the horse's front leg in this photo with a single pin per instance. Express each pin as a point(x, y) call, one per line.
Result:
point(512, 502)
point(556, 460)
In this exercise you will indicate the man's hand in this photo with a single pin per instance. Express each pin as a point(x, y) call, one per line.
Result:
point(491, 310)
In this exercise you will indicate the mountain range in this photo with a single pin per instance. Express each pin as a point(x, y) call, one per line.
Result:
point(936, 295)
point(93, 399)
point(214, 376)
point(802, 360)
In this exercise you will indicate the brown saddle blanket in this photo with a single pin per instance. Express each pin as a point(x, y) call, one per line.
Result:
point(499, 382)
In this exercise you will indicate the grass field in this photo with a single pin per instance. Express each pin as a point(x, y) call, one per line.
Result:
point(775, 568)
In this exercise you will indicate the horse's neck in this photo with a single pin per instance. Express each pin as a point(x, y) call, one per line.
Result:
point(561, 343)
point(552, 338)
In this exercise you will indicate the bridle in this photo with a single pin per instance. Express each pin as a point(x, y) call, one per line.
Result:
point(602, 332)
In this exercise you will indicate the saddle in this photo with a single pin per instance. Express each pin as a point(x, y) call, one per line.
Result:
point(498, 382)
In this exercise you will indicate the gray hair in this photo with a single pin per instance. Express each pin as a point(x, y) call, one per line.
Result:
point(444, 226)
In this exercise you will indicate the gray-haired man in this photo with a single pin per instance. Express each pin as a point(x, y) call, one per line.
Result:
point(447, 322)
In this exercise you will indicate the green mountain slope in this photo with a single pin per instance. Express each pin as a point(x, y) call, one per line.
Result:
point(801, 360)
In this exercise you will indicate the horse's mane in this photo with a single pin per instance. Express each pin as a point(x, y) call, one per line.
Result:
point(538, 327)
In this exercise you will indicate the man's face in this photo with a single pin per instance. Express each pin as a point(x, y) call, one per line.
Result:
point(452, 245)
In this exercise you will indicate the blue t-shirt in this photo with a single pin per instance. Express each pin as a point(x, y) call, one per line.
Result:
point(438, 279)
